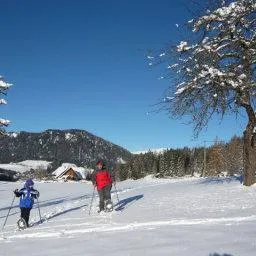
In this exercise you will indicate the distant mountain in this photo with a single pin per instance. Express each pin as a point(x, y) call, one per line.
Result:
point(58, 146)
point(155, 151)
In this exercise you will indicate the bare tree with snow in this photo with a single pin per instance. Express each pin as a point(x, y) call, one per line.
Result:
point(215, 72)
point(4, 86)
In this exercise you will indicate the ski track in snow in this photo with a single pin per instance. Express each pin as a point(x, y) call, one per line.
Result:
point(67, 230)
point(66, 206)
point(145, 206)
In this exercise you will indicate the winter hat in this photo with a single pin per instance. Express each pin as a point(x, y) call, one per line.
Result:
point(29, 183)
point(100, 162)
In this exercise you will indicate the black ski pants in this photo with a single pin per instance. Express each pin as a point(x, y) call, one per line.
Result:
point(24, 213)
point(104, 195)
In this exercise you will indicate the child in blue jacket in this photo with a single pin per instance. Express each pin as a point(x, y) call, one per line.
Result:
point(27, 195)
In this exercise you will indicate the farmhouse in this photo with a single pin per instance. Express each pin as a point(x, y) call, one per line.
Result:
point(69, 171)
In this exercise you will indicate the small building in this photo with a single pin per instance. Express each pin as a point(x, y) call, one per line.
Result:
point(70, 174)
point(69, 171)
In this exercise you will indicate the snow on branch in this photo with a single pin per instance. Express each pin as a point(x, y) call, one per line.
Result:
point(3, 87)
point(4, 122)
point(3, 84)
point(2, 101)
point(218, 59)
point(225, 13)
point(183, 46)
point(214, 70)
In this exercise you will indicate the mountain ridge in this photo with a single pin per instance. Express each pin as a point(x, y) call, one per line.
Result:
point(69, 145)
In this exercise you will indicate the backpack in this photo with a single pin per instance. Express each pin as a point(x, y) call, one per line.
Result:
point(26, 199)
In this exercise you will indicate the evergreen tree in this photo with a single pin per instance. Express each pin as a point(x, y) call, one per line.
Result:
point(216, 161)
point(234, 156)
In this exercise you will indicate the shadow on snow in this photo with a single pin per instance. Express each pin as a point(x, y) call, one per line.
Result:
point(43, 204)
point(221, 180)
point(59, 214)
point(217, 254)
point(122, 204)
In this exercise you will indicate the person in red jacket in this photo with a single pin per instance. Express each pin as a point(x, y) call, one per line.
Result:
point(102, 180)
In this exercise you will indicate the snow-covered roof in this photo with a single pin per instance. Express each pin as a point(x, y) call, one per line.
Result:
point(65, 166)
point(60, 170)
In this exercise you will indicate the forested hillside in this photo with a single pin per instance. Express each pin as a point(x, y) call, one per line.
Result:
point(218, 159)
point(74, 146)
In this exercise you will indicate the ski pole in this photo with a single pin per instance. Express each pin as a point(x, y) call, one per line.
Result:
point(8, 213)
point(92, 200)
point(39, 211)
point(116, 194)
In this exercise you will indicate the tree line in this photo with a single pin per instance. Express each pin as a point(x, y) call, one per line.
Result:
point(216, 160)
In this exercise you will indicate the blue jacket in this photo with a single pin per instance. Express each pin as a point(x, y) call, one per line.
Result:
point(27, 196)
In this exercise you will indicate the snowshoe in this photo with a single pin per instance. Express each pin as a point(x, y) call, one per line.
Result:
point(22, 224)
point(99, 209)
point(109, 206)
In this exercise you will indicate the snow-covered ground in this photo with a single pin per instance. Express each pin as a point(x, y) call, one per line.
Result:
point(26, 165)
point(185, 217)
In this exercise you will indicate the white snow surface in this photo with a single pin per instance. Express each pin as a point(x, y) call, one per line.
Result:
point(26, 165)
point(190, 216)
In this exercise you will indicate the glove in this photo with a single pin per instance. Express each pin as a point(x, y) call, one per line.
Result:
point(36, 195)
point(16, 191)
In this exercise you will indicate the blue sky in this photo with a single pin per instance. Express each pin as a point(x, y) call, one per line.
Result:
point(82, 64)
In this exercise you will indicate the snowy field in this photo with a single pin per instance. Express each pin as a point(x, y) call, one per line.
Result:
point(26, 165)
point(185, 217)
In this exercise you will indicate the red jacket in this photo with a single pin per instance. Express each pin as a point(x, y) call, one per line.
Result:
point(101, 178)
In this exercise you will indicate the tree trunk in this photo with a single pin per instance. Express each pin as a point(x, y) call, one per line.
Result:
point(249, 154)
point(249, 159)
